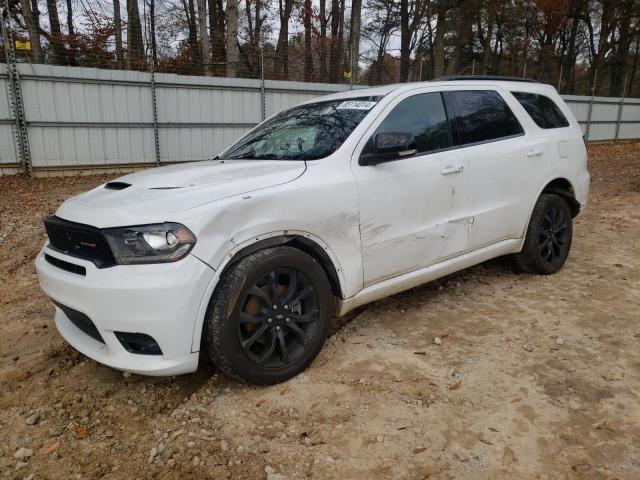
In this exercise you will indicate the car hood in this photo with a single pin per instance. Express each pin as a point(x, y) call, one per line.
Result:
point(159, 194)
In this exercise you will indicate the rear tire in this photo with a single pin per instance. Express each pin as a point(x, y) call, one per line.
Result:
point(269, 316)
point(548, 239)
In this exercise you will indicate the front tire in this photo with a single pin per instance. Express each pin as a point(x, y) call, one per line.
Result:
point(548, 239)
point(269, 316)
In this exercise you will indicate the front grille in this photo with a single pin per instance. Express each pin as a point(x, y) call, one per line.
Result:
point(81, 321)
point(78, 240)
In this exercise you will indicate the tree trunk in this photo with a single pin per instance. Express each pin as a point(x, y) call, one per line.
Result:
point(605, 29)
point(56, 40)
point(232, 38)
point(152, 27)
point(190, 13)
point(405, 40)
point(438, 43)
point(117, 24)
point(334, 52)
point(33, 29)
point(570, 61)
point(619, 64)
point(135, 49)
point(70, 28)
point(323, 40)
point(216, 30)
point(354, 42)
point(204, 36)
point(282, 47)
point(308, 57)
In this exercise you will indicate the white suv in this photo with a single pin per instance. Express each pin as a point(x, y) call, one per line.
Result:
point(321, 208)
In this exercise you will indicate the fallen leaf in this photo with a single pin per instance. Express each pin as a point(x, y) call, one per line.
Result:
point(260, 402)
point(80, 432)
point(419, 449)
point(51, 448)
point(455, 386)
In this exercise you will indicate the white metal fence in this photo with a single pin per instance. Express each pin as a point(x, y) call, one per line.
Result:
point(85, 119)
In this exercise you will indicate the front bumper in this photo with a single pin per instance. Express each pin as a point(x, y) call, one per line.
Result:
point(159, 300)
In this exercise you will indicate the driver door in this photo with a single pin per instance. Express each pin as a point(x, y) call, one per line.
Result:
point(413, 210)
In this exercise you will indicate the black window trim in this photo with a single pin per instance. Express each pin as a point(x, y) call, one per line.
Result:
point(450, 104)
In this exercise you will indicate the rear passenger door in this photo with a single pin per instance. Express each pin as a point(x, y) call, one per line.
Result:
point(504, 163)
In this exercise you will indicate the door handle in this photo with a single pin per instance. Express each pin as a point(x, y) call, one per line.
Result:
point(450, 170)
point(535, 152)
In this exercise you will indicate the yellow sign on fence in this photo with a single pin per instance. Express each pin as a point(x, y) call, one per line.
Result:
point(23, 45)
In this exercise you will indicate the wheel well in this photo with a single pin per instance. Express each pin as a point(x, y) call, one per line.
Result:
point(302, 243)
point(562, 187)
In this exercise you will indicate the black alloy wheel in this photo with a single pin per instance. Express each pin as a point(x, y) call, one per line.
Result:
point(548, 238)
point(269, 316)
point(277, 318)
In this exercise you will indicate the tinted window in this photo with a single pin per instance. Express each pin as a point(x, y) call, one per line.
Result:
point(422, 115)
point(481, 115)
point(542, 110)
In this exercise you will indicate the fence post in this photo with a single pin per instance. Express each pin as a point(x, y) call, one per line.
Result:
point(263, 93)
point(620, 108)
point(593, 90)
point(16, 106)
point(154, 109)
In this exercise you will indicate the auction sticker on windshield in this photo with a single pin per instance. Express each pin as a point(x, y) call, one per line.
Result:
point(356, 105)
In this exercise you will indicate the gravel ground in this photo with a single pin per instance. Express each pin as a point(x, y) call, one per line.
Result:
point(533, 377)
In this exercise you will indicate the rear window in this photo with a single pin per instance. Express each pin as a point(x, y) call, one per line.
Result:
point(481, 116)
point(542, 110)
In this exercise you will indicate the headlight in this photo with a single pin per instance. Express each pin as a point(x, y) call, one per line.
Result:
point(166, 242)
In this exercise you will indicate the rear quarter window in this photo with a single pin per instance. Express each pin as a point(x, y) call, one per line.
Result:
point(542, 110)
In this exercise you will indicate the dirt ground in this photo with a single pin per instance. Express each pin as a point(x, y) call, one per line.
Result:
point(535, 377)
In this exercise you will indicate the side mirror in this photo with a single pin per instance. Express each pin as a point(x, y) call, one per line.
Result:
point(389, 146)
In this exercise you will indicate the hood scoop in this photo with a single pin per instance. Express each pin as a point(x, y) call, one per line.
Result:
point(117, 185)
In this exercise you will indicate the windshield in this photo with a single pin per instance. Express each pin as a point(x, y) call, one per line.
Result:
point(306, 132)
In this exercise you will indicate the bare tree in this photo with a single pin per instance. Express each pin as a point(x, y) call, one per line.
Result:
point(323, 40)
point(411, 15)
point(308, 56)
point(117, 27)
point(204, 36)
point(232, 37)
point(152, 32)
point(336, 43)
point(216, 31)
point(55, 38)
point(354, 37)
point(285, 7)
point(135, 48)
point(70, 27)
point(33, 29)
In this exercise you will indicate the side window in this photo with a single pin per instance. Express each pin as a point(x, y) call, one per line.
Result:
point(480, 116)
point(424, 116)
point(542, 110)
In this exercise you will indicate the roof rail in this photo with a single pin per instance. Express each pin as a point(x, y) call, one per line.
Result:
point(449, 78)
